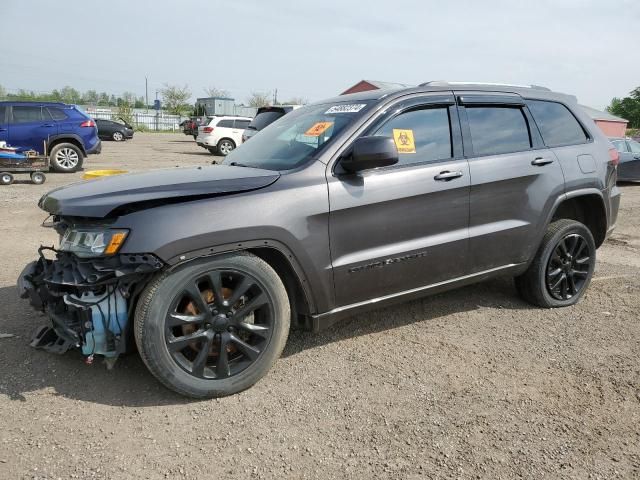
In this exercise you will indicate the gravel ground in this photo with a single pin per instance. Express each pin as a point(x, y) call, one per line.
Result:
point(469, 384)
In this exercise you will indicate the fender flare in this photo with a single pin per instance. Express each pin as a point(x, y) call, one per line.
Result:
point(66, 136)
point(248, 245)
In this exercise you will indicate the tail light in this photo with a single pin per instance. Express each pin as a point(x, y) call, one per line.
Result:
point(88, 123)
point(207, 129)
point(614, 156)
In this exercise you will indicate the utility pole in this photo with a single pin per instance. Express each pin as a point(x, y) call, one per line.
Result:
point(146, 93)
point(275, 97)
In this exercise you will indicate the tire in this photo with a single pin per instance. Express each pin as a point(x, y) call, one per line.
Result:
point(554, 279)
point(225, 146)
point(6, 178)
point(212, 150)
point(38, 178)
point(66, 158)
point(195, 137)
point(117, 137)
point(172, 333)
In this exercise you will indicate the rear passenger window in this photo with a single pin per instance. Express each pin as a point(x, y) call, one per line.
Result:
point(225, 124)
point(420, 135)
point(557, 124)
point(620, 145)
point(242, 124)
point(22, 114)
point(496, 130)
point(57, 114)
point(634, 146)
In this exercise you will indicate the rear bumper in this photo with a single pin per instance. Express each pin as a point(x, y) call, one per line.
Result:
point(96, 149)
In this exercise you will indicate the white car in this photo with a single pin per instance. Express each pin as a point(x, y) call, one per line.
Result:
point(222, 134)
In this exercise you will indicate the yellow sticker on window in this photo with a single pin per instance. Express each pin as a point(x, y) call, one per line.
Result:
point(404, 141)
point(318, 129)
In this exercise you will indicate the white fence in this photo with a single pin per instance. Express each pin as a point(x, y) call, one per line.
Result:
point(151, 120)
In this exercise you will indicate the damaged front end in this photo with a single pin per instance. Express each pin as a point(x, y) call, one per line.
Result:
point(89, 301)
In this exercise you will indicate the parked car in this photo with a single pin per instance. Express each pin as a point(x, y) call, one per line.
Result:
point(629, 167)
point(266, 116)
point(341, 206)
point(222, 134)
point(111, 130)
point(191, 127)
point(65, 132)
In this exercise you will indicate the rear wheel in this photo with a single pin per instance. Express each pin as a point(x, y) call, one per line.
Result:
point(225, 147)
point(213, 327)
point(38, 178)
point(117, 136)
point(66, 158)
point(6, 178)
point(562, 268)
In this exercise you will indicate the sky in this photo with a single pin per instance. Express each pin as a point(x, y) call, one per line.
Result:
point(315, 50)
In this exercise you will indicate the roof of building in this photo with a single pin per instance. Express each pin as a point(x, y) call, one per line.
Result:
point(600, 115)
point(377, 84)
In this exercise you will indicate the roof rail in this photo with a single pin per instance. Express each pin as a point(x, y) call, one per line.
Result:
point(441, 83)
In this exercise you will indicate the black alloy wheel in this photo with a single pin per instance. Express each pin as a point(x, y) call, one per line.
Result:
point(568, 267)
point(218, 324)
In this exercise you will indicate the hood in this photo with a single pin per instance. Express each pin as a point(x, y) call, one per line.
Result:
point(98, 198)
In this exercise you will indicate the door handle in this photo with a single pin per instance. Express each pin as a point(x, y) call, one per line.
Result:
point(447, 175)
point(48, 125)
point(541, 161)
point(3, 129)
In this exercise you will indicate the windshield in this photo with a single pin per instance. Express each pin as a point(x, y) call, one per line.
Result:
point(297, 137)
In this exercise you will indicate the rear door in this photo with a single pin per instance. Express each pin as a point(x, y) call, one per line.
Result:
point(403, 227)
point(30, 127)
point(4, 127)
point(514, 179)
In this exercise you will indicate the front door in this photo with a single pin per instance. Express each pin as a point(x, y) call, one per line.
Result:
point(515, 179)
point(403, 227)
point(30, 128)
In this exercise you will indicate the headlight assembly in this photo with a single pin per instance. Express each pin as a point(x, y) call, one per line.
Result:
point(92, 242)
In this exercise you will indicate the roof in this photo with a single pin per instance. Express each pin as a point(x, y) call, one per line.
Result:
point(599, 115)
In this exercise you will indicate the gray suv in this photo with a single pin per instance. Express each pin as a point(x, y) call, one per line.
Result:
point(340, 206)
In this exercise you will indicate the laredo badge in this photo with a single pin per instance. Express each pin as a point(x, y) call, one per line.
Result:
point(404, 141)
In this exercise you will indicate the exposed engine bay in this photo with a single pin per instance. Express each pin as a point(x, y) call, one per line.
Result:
point(89, 301)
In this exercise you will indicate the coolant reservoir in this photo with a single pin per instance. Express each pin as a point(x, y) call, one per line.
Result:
point(107, 315)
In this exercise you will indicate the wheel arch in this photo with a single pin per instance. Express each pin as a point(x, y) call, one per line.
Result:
point(227, 138)
point(586, 207)
point(73, 139)
point(280, 258)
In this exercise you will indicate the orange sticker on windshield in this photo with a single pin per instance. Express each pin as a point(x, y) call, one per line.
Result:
point(318, 129)
point(404, 141)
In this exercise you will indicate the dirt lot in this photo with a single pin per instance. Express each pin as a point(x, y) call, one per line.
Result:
point(468, 384)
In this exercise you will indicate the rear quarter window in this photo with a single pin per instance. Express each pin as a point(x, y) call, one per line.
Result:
point(557, 124)
point(225, 124)
point(57, 113)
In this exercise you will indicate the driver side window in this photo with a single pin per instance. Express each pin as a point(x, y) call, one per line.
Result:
point(421, 135)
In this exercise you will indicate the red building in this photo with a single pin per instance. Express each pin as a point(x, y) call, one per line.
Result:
point(364, 85)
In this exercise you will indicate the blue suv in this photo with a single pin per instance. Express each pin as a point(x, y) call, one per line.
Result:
point(65, 132)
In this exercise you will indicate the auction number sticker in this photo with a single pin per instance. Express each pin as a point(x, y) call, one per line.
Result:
point(318, 129)
point(350, 108)
point(404, 140)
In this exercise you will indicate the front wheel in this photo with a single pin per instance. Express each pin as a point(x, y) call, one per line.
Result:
point(66, 158)
point(117, 136)
point(38, 178)
point(562, 268)
point(213, 327)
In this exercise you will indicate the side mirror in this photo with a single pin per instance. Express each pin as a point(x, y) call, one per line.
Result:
point(370, 152)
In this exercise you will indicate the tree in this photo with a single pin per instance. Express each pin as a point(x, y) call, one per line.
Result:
point(124, 112)
point(627, 107)
point(175, 98)
point(90, 97)
point(259, 99)
point(70, 95)
point(296, 101)
point(216, 92)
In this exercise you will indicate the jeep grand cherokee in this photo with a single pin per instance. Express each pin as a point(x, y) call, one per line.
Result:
point(340, 206)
